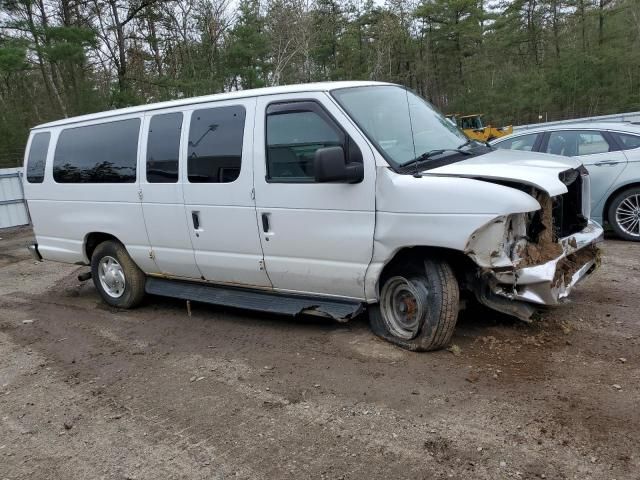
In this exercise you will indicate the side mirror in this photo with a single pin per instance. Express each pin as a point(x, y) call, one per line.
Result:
point(330, 166)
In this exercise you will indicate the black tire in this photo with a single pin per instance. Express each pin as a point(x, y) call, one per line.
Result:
point(631, 195)
point(436, 289)
point(134, 278)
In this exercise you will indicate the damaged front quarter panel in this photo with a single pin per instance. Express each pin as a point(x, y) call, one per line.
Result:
point(522, 263)
point(496, 244)
point(516, 240)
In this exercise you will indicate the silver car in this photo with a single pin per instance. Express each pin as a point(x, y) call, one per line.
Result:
point(611, 153)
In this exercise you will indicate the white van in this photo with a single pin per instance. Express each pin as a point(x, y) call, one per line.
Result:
point(320, 198)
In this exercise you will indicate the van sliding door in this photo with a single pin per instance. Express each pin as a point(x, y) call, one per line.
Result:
point(218, 193)
point(161, 194)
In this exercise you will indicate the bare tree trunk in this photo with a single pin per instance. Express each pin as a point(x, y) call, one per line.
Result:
point(555, 25)
point(121, 64)
point(50, 86)
point(153, 43)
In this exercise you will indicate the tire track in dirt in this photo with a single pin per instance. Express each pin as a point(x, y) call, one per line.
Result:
point(333, 401)
point(401, 436)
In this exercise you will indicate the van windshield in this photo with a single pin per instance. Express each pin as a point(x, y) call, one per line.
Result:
point(404, 127)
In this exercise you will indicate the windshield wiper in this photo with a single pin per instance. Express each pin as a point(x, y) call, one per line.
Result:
point(433, 153)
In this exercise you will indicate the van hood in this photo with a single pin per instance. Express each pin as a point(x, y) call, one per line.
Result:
point(539, 170)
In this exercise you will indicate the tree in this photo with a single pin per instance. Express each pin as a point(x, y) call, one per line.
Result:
point(510, 59)
point(246, 55)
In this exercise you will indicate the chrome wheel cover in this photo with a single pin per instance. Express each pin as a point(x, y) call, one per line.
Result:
point(111, 277)
point(628, 215)
point(403, 305)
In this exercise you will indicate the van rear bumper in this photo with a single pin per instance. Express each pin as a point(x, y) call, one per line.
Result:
point(33, 250)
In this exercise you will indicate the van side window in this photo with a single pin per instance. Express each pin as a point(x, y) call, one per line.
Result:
point(215, 144)
point(295, 131)
point(101, 153)
point(163, 148)
point(37, 157)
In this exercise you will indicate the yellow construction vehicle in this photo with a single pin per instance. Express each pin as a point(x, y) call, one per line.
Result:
point(475, 129)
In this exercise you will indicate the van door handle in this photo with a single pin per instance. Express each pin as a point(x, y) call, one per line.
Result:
point(195, 216)
point(265, 222)
point(603, 163)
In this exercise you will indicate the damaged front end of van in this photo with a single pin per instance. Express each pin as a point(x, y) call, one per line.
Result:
point(531, 259)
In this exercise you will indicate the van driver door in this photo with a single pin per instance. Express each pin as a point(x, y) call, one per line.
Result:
point(316, 237)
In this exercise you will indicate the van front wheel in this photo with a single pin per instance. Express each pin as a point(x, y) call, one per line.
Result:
point(418, 307)
point(116, 276)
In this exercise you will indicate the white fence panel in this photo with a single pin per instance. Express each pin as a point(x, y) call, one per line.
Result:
point(13, 210)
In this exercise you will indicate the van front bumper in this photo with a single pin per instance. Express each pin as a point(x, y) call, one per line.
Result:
point(516, 291)
point(551, 282)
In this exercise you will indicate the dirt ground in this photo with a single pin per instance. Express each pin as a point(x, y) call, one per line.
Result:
point(90, 392)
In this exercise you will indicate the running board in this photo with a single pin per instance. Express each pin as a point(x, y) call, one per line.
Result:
point(259, 301)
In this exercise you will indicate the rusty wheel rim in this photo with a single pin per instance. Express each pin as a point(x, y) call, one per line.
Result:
point(403, 304)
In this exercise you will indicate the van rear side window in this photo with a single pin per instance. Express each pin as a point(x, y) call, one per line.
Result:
point(163, 148)
point(215, 144)
point(37, 157)
point(102, 153)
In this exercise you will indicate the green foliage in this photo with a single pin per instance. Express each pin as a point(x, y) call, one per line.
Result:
point(513, 60)
point(246, 53)
point(68, 43)
point(12, 57)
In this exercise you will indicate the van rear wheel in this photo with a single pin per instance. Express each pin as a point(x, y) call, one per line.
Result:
point(116, 276)
point(418, 307)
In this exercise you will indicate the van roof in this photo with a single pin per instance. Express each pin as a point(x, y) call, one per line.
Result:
point(304, 87)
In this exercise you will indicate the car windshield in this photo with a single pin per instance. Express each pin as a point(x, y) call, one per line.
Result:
point(403, 126)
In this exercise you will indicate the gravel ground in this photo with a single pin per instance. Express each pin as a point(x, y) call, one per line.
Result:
point(88, 392)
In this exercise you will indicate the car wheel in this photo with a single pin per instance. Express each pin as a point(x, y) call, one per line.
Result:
point(624, 214)
point(116, 276)
point(418, 307)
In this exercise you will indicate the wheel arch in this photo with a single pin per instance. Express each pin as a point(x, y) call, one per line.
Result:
point(612, 195)
point(459, 261)
point(92, 240)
